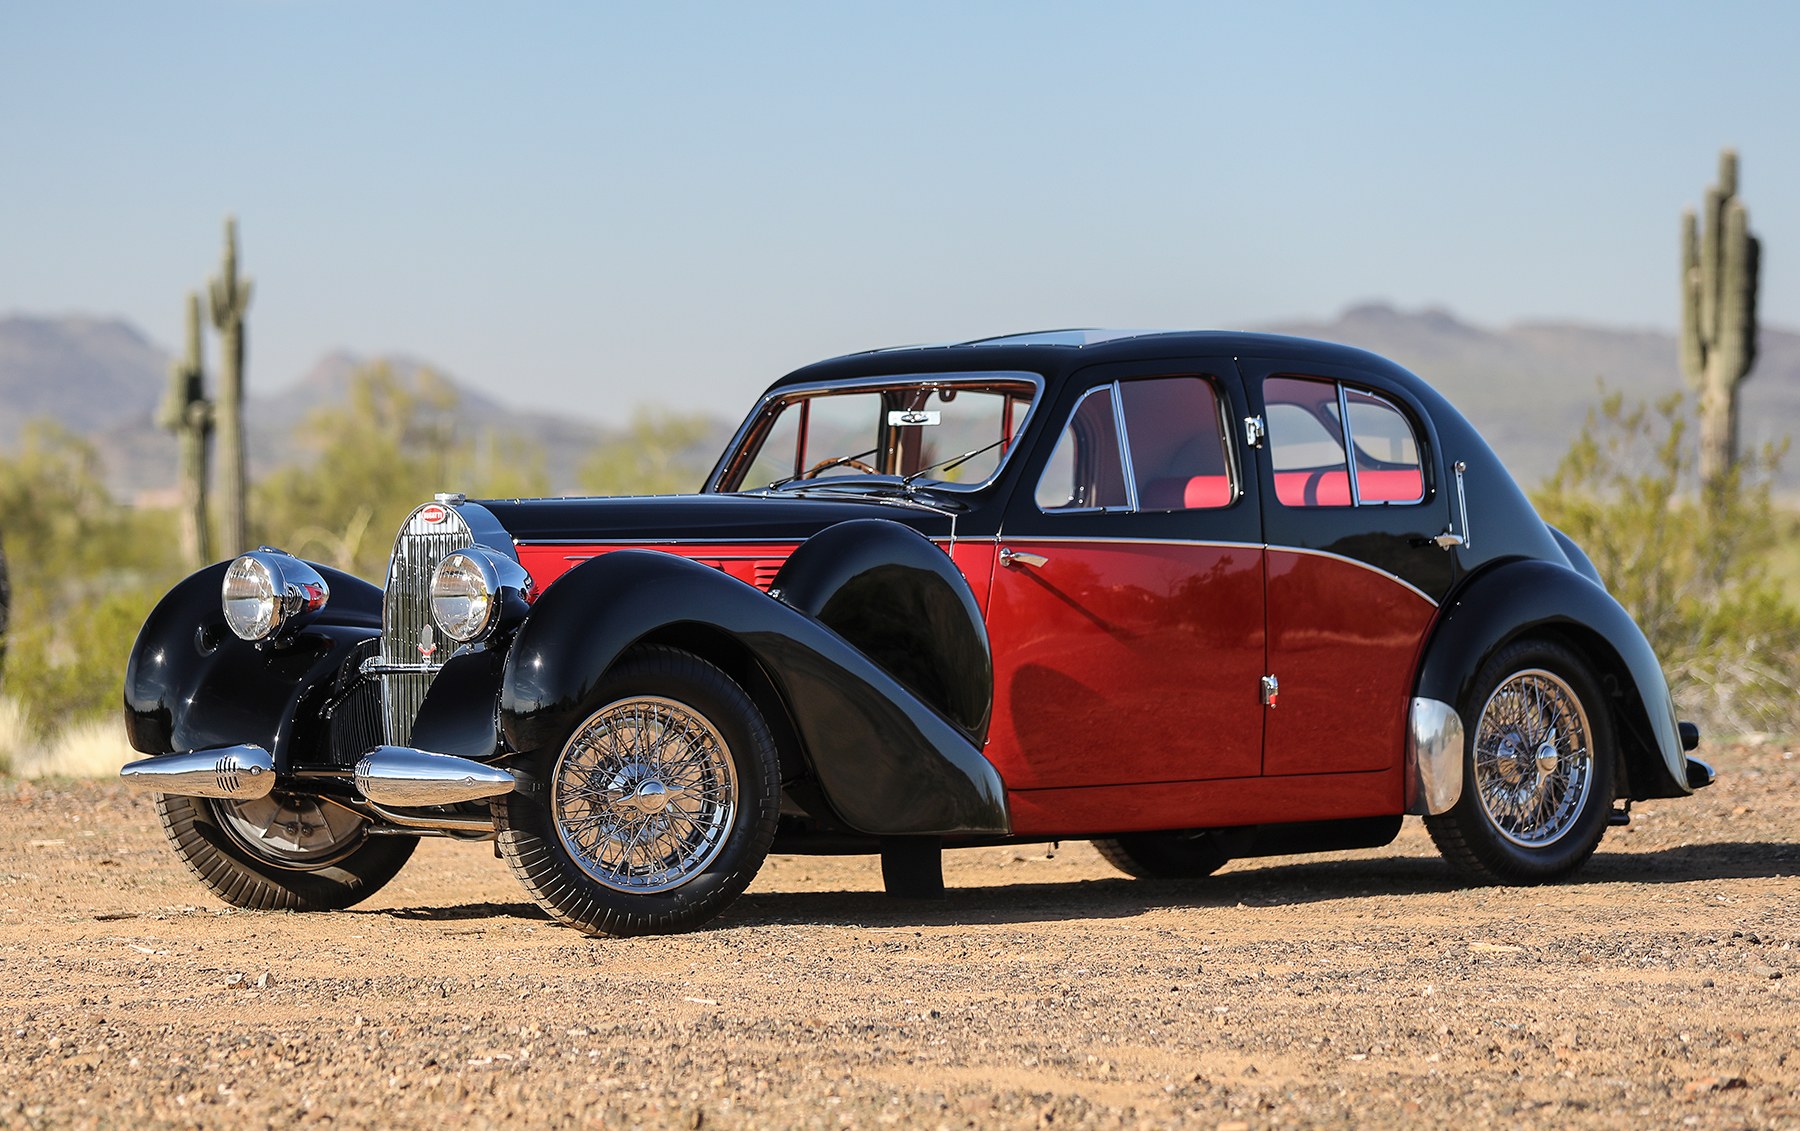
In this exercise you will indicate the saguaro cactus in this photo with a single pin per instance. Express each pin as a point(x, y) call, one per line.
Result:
point(230, 299)
point(186, 412)
point(1718, 314)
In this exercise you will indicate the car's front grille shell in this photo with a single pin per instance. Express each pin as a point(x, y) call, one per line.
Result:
point(412, 650)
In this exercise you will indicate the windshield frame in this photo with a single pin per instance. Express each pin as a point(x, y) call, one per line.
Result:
point(734, 461)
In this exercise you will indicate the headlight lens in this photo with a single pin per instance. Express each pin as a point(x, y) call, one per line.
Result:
point(249, 596)
point(268, 592)
point(462, 596)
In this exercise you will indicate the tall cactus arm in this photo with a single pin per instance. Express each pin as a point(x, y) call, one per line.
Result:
point(1693, 350)
point(1737, 296)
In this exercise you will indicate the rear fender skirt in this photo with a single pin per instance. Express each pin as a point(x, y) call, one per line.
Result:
point(1527, 597)
point(888, 763)
point(901, 602)
point(192, 684)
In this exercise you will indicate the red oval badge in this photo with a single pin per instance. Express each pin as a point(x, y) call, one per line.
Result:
point(434, 514)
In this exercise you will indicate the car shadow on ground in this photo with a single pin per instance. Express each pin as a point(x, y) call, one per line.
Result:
point(1250, 883)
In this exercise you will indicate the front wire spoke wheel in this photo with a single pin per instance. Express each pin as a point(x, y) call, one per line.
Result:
point(650, 751)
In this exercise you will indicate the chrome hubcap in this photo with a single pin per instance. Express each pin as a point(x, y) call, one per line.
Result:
point(1533, 762)
point(644, 794)
point(293, 831)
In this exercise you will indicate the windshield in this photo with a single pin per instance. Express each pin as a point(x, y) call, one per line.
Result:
point(947, 431)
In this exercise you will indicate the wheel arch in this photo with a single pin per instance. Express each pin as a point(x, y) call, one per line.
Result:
point(887, 762)
point(1519, 599)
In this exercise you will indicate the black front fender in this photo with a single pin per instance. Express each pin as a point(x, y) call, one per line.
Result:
point(1519, 598)
point(191, 683)
point(888, 763)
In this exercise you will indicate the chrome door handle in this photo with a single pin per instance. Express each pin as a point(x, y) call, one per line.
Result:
point(1015, 558)
point(1448, 540)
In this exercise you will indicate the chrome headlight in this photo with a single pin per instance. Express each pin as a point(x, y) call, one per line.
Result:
point(269, 592)
point(475, 590)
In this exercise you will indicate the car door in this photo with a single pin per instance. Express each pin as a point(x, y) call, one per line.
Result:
point(1354, 574)
point(1127, 609)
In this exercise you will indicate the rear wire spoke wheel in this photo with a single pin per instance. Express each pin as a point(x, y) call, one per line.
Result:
point(1538, 770)
point(658, 807)
point(284, 852)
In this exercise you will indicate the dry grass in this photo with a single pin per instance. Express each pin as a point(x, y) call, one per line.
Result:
point(92, 749)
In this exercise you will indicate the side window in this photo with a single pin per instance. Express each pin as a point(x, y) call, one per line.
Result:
point(1174, 456)
point(1176, 435)
point(1085, 471)
point(1310, 446)
point(1387, 451)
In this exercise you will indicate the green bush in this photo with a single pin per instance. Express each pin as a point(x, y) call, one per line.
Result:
point(85, 573)
point(1693, 565)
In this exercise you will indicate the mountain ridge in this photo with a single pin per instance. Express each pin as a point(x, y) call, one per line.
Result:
point(1527, 387)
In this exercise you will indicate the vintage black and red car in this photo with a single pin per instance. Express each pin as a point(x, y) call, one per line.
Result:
point(1194, 596)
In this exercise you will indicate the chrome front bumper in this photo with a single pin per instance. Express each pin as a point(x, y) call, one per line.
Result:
point(386, 775)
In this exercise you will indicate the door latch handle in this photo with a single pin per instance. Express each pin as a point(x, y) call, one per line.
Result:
point(1016, 558)
point(1448, 540)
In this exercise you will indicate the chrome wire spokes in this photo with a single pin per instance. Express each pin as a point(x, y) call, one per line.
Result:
point(1533, 763)
point(644, 794)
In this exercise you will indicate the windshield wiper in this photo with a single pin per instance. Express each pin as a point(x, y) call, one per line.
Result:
point(825, 465)
point(952, 462)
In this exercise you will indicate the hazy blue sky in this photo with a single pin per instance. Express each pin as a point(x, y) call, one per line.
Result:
point(599, 205)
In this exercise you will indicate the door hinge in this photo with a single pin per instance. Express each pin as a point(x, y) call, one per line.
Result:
point(1254, 431)
point(1271, 690)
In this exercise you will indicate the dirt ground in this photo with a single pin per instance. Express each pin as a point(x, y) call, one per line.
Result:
point(1659, 988)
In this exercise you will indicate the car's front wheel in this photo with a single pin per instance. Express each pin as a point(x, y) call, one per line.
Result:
point(283, 852)
point(657, 809)
point(1538, 768)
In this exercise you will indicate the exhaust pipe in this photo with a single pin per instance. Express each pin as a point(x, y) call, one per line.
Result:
point(236, 773)
point(400, 775)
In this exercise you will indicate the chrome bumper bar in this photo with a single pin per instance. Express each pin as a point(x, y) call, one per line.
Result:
point(386, 775)
point(240, 773)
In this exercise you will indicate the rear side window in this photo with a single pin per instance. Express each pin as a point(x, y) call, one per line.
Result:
point(1148, 445)
point(1334, 445)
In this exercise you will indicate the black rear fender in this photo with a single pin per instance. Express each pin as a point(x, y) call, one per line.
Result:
point(1515, 599)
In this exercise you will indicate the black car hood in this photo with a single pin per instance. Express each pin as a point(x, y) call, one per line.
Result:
point(701, 518)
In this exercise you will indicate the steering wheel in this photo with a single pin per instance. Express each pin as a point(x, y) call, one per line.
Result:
point(838, 461)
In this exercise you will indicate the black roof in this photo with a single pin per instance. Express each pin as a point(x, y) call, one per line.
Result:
point(1055, 352)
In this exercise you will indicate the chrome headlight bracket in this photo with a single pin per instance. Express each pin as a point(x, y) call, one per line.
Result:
point(268, 594)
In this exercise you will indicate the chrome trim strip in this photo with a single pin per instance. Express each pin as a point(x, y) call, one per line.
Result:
point(1024, 539)
point(237, 773)
point(1434, 757)
point(1123, 438)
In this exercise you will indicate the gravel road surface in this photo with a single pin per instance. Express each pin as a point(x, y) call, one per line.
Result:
point(1659, 988)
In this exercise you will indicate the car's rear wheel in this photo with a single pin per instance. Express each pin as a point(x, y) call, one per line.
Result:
point(1164, 855)
point(283, 852)
point(658, 807)
point(1538, 768)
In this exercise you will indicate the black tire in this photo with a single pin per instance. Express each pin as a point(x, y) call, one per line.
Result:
point(708, 810)
point(1164, 855)
point(1539, 762)
point(211, 838)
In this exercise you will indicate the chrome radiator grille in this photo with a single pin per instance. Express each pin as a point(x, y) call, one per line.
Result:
point(409, 640)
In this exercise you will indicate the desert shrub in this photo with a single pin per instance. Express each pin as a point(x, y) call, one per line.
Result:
point(85, 573)
point(1693, 564)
